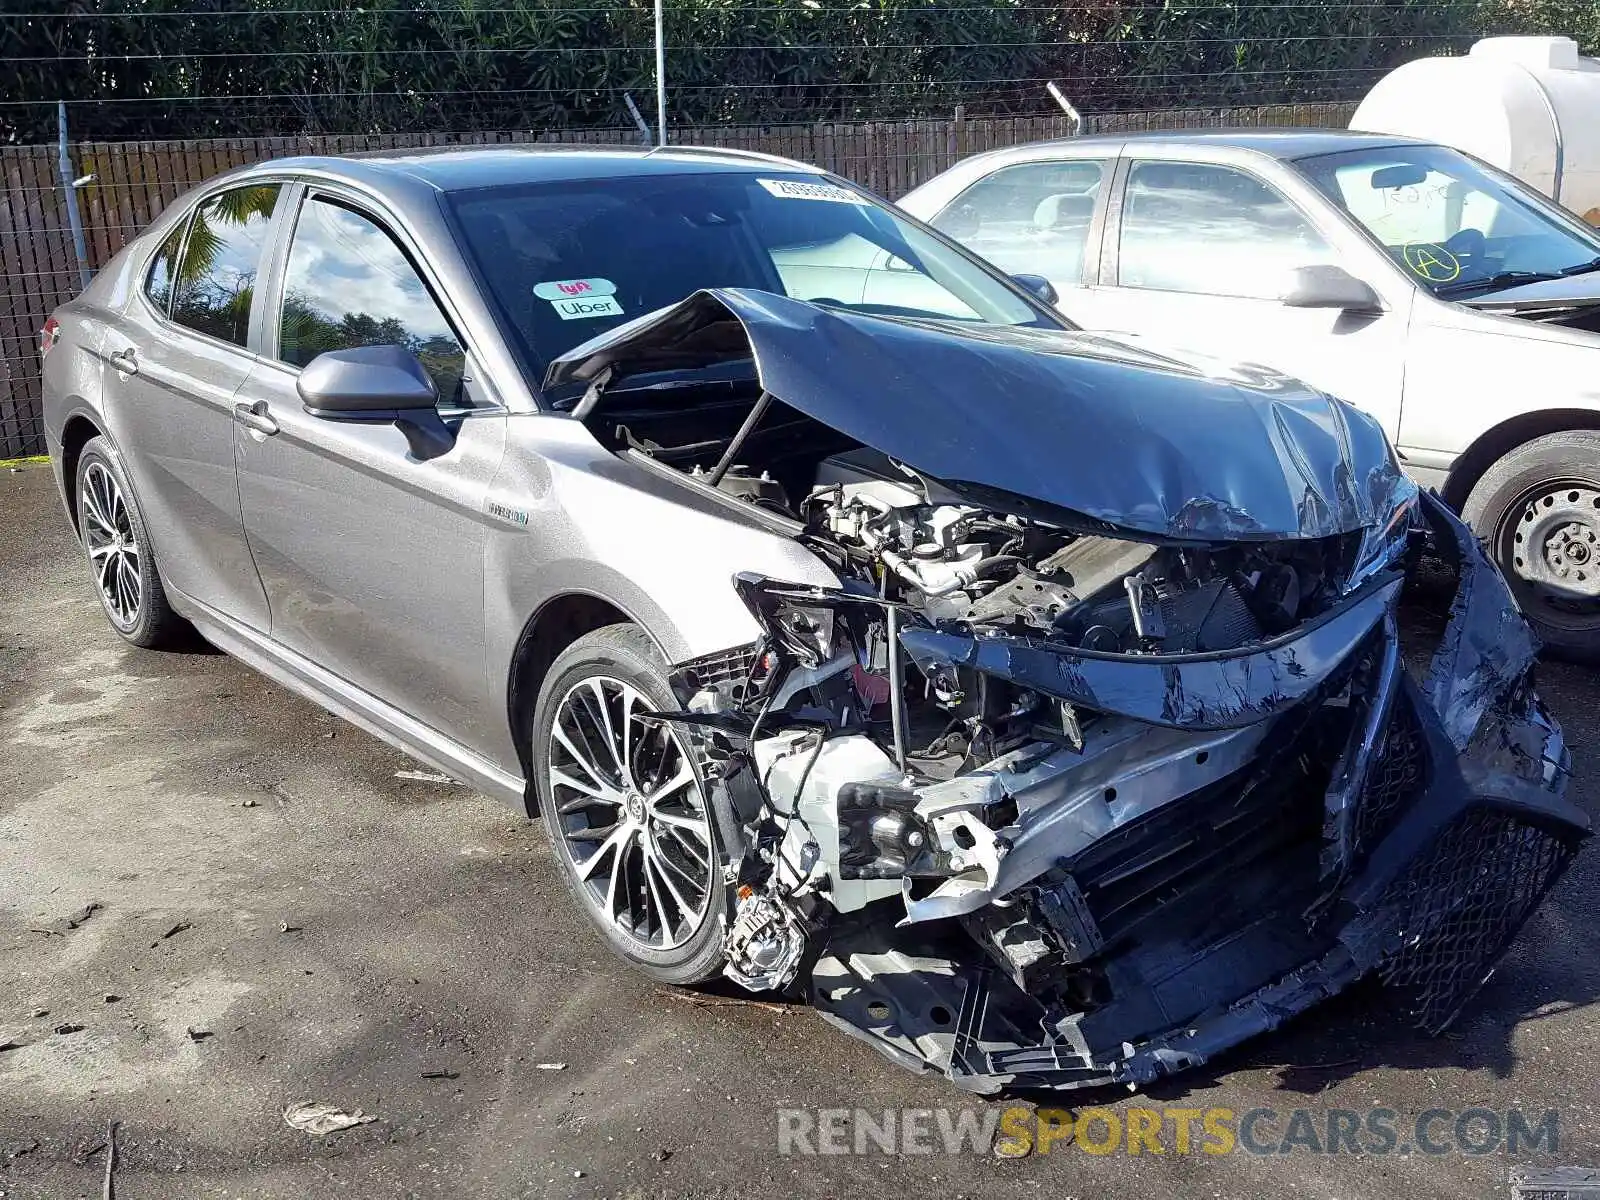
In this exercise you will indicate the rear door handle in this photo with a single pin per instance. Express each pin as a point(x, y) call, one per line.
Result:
point(125, 361)
point(254, 416)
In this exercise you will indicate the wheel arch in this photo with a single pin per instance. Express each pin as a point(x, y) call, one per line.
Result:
point(79, 430)
point(558, 622)
point(1495, 443)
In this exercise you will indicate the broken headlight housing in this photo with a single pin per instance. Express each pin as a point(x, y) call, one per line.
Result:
point(805, 631)
point(1384, 546)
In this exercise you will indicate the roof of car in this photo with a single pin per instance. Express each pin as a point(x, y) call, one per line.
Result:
point(455, 168)
point(1276, 142)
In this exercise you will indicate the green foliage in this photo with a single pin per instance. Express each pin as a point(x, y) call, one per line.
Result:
point(176, 68)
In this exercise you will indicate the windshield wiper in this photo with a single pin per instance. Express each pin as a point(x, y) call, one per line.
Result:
point(1490, 283)
point(1584, 268)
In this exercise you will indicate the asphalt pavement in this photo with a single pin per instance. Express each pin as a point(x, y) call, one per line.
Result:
point(216, 902)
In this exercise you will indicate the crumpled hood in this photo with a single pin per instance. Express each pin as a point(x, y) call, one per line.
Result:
point(1146, 442)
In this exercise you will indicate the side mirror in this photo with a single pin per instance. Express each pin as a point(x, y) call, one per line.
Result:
point(1328, 286)
point(1039, 286)
point(377, 384)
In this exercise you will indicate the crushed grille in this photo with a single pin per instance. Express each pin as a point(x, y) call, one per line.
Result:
point(1459, 904)
point(1395, 776)
point(1205, 852)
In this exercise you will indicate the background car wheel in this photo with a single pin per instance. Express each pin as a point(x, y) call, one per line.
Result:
point(1537, 511)
point(121, 563)
point(626, 809)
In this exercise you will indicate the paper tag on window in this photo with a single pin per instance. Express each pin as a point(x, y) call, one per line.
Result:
point(795, 189)
point(586, 306)
point(563, 289)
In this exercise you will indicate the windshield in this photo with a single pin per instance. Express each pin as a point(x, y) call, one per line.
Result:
point(1458, 227)
point(567, 261)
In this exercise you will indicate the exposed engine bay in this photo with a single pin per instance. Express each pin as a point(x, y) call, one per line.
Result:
point(1051, 796)
point(958, 563)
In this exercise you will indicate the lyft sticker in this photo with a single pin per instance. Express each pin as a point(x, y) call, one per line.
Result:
point(566, 289)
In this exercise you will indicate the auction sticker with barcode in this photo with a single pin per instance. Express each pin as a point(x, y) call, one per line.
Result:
point(796, 189)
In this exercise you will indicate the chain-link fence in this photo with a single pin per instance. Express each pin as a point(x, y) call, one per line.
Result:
point(129, 183)
point(157, 95)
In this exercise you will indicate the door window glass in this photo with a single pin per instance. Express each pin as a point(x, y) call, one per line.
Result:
point(217, 277)
point(1194, 227)
point(164, 269)
point(1031, 219)
point(349, 284)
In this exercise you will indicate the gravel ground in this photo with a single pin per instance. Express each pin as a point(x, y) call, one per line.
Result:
point(281, 918)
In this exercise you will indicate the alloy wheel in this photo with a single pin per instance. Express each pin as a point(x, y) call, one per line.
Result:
point(631, 813)
point(113, 547)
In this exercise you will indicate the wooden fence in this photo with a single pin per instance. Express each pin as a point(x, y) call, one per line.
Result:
point(131, 182)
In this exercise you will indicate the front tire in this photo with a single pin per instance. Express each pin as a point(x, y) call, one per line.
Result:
point(625, 807)
point(122, 564)
point(1537, 512)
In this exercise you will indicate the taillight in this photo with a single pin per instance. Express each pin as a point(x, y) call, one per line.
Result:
point(49, 335)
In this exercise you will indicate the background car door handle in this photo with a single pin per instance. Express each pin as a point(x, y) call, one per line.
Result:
point(125, 362)
point(254, 416)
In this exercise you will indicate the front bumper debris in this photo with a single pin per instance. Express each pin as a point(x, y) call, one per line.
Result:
point(1352, 823)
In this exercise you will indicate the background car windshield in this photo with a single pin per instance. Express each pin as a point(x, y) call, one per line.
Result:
point(567, 261)
point(1456, 226)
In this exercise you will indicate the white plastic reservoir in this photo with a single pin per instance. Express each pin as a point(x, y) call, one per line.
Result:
point(1528, 105)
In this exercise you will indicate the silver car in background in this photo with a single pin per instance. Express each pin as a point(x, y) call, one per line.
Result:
point(1031, 699)
point(1446, 298)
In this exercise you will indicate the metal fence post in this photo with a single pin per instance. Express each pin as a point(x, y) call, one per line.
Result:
point(69, 183)
point(638, 119)
point(661, 74)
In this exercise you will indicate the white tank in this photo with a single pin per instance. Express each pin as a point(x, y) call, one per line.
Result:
point(1528, 105)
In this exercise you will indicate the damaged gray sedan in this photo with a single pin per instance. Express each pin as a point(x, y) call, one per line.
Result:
point(1031, 700)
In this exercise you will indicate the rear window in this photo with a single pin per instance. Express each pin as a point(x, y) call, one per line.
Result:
point(568, 261)
point(164, 269)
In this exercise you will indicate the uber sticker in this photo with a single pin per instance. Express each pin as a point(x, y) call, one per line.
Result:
point(586, 306)
point(795, 189)
point(563, 289)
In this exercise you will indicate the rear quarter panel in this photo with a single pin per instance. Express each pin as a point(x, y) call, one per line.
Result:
point(73, 375)
point(70, 386)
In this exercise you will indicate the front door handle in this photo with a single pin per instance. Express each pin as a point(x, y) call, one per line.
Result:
point(125, 361)
point(254, 416)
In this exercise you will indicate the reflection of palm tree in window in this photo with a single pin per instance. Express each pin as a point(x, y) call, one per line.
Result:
point(211, 297)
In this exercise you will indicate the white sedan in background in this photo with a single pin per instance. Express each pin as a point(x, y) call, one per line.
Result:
point(1448, 299)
